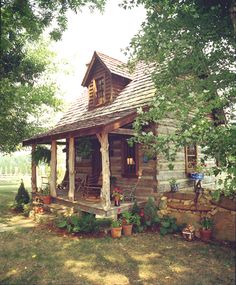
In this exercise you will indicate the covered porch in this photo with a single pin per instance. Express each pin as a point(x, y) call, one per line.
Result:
point(100, 204)
point(96, 207)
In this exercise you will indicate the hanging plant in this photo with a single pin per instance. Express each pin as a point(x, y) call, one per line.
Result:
point(84, 148)
point(41, 154)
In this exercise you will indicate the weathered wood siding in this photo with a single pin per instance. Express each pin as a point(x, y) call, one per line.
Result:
point(164, 174)
point(118, 84)
point(147, 171)
point(99, 71)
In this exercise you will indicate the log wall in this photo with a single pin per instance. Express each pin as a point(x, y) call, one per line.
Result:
point(164, 174)
point(147, 171)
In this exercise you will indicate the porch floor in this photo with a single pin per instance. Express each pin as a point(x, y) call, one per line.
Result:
point(93, 205)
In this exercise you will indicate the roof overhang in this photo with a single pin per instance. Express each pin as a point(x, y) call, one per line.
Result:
point(73, 130)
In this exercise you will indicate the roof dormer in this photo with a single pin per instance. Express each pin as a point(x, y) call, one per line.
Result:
point(105, 78)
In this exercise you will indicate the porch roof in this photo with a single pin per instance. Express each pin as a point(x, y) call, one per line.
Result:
point(79, 120)
point(85, 127)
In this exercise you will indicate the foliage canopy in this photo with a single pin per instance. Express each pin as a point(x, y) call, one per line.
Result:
point(24, 94)
point(192, 46)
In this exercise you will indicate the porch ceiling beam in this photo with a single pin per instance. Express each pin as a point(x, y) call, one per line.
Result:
point(53, 168)
point(123, 131)
point(119, 123)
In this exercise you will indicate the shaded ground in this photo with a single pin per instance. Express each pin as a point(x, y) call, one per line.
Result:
point(38, 256)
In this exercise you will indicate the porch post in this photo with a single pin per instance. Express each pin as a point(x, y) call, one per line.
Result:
point(105, 192)
point(53, 168)
point(71, 193)
point(33, 172)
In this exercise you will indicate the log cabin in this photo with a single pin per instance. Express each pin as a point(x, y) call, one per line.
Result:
point(103, 117)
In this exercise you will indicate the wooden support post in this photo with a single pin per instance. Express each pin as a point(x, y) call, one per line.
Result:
point(105, 192)
point(53, 167)
point(33, 172)
point(71, 193)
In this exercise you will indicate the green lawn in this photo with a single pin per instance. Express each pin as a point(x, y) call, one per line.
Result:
point(39, 256)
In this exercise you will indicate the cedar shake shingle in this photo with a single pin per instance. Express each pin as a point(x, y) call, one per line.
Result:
point(138, 93)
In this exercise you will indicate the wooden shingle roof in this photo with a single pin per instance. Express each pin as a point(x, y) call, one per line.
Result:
point(138, 93)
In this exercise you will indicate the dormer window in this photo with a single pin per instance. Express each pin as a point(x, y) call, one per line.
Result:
point(105, 79)
point(99, 91)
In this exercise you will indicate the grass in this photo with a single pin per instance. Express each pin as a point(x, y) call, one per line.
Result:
point(39, 256)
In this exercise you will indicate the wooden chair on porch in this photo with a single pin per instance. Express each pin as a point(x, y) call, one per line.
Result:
point(87, 186)
point(92, 188)
point(81, 182)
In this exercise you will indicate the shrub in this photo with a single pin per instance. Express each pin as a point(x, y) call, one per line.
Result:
point(26, 209)
point(22, 198)
point(135, 209)
point(87, 223)
point(151, 217)
point(168, 225)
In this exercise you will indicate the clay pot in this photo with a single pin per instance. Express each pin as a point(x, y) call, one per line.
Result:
point(116, 232)
point(127, 230)
point(39, 210)
point(205, 234)
point(46, 199)
point(116, 201)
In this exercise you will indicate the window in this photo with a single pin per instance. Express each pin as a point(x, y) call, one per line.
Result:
point(190, 157)
point(130, 161)
point(99, 90)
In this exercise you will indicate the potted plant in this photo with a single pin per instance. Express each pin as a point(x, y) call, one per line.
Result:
point(127, 223)
point(117, 194)
point(206, 228)
point(174, 187)
point(116, 229)
point(198, 170)
point(45, 195)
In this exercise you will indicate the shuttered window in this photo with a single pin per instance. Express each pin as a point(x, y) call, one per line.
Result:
point(190, 158)
point(99, 91)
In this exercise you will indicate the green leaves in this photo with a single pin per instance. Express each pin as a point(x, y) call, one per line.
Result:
point(26, 93)
point(193, 47)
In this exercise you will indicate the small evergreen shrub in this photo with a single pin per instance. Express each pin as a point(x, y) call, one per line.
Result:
point(151, 217)
point(135, 209)
point(22, 198)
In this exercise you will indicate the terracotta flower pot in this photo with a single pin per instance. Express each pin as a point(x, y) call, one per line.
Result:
point(46, 199)
point(205, 234)
point(39, 210)
point(127, 230)
point(116, 201)
point(116, 232)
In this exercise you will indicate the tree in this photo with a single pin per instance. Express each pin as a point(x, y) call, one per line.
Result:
point(192, 47)
point(24, 95)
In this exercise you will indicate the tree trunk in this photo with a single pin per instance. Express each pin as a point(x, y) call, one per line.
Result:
point(105, 192)
point(71, 193)
point(53, 166)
